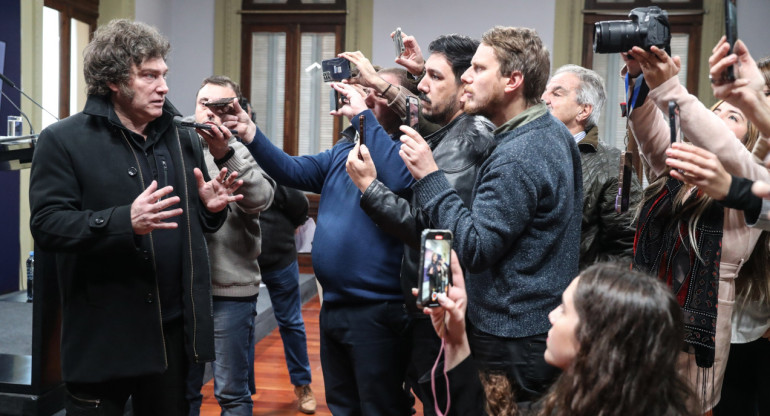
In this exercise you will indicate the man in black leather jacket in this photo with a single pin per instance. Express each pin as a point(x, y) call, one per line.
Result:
point(459, 147)
point(575, 95)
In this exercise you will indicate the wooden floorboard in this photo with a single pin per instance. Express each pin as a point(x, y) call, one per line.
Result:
point(275, 394)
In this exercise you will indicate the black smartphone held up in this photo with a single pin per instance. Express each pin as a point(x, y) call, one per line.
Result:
point(624, 182)
point(412, 112)
point(222, 102)
point(361, 135)
point(731, 33)
point(435, 275)
point(398, 42)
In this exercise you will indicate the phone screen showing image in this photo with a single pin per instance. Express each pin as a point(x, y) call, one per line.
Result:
point(413, 112)
point(435, 275)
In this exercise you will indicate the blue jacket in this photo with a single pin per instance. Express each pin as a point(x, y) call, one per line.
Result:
point(354, 261)
point(520, 238)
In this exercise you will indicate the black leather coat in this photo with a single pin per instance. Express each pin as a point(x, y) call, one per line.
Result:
point(606, 235)
point(459, 149)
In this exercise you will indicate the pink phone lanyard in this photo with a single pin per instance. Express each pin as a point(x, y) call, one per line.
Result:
point(433, 382)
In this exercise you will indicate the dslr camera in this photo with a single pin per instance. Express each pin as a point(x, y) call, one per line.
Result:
point(648, 27)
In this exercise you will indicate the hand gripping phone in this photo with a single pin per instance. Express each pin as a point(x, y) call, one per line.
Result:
point(412, 112)
point(435, 273)
point(731, 33)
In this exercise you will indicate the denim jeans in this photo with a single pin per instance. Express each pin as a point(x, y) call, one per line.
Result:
point(283, 286)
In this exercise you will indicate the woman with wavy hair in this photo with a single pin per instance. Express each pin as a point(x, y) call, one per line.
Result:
point(612, 336)
point(683, 237)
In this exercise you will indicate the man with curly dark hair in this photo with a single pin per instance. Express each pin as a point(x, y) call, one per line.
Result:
point(118, 195)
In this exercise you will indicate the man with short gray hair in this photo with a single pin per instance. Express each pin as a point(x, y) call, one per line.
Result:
point(575, 95)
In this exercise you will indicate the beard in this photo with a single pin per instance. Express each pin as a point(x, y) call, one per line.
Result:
point(442, 113)
point(485, 107)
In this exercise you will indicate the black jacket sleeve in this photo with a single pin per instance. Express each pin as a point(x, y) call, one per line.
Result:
point(393, 214)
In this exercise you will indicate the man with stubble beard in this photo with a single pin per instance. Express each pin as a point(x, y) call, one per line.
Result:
point(519, 238)
point(459, 147)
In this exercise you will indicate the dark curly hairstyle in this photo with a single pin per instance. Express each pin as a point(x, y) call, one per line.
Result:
point(114, 48)
point(630, 334)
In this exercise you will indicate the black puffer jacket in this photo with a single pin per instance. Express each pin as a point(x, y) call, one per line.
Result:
point(606, 235)
point(459, 149)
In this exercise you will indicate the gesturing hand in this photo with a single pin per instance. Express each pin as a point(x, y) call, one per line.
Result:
point(416, 153)
point(360, 167)
point(148, 209)
point(217, 193)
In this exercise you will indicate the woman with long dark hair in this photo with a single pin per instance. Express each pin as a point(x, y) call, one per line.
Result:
point(612, 336)
point(683, 237)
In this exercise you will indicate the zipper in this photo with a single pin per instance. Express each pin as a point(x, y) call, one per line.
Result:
point(152, 253)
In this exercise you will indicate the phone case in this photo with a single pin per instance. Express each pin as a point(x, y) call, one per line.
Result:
point(435, 272)
point(398, 42)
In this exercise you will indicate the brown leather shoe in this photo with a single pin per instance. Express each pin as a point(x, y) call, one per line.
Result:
point(305, 399)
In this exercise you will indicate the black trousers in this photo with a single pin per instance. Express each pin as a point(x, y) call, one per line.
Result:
point(364, 355)
point(746, 387)
point(520, 359)
point(161, 394)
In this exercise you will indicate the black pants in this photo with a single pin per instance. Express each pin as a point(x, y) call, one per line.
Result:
point(364, 355)
point(425, 345)
point(161, 394)
point(520, 359)
point(746, 387)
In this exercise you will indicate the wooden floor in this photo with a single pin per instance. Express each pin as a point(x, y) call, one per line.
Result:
point(275, 394)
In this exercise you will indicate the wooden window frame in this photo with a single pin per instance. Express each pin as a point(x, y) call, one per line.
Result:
point(86, 11)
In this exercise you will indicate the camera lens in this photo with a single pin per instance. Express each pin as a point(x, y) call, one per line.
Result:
point(616, 36)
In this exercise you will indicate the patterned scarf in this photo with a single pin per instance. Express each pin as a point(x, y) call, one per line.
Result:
point(662, 249)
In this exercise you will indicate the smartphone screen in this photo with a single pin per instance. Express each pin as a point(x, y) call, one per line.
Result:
point(413, 112)
point(398, 42)
point(731, 33)
point(435, 275)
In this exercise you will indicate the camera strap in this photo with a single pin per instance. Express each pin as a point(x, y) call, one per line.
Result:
point(636, 93)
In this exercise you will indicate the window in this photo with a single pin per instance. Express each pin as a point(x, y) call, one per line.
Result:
point(282, 42)
point(67, 28)
point(685, 18)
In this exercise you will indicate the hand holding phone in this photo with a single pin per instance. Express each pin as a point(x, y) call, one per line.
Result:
point(435, 274)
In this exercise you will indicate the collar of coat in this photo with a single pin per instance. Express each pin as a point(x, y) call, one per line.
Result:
point(590, 143)
point(101, 106)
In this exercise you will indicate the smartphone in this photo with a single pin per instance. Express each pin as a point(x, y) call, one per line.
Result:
point(624, 182)
point(435, 274)
point(335, 69)
point(222, 102)
point(201, 126)
point(398, 42)
point(412, 112)
point(731, 33)
point(361, 135)
point(334, 99)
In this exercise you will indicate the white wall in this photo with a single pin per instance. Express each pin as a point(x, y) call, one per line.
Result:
point(427, 19)
point(189, 26)
point(753, 17)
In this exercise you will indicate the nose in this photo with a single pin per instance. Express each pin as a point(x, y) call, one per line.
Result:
point(423, 85)
point(466, 77)
point(162, 86)
point(550, 316)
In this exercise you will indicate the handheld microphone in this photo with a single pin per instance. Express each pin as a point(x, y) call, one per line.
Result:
point(31, 130)
point(9, 82)
point(181, 122)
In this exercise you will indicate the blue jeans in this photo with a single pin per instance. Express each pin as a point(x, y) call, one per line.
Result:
point(364, 356)
point(234, 365)
point(283, 286)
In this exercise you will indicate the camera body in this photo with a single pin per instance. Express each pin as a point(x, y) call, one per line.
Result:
point(648, 27)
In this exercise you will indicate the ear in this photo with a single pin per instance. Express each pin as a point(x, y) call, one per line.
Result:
point(584, 113)
point(514, 81)
point(113, 86)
